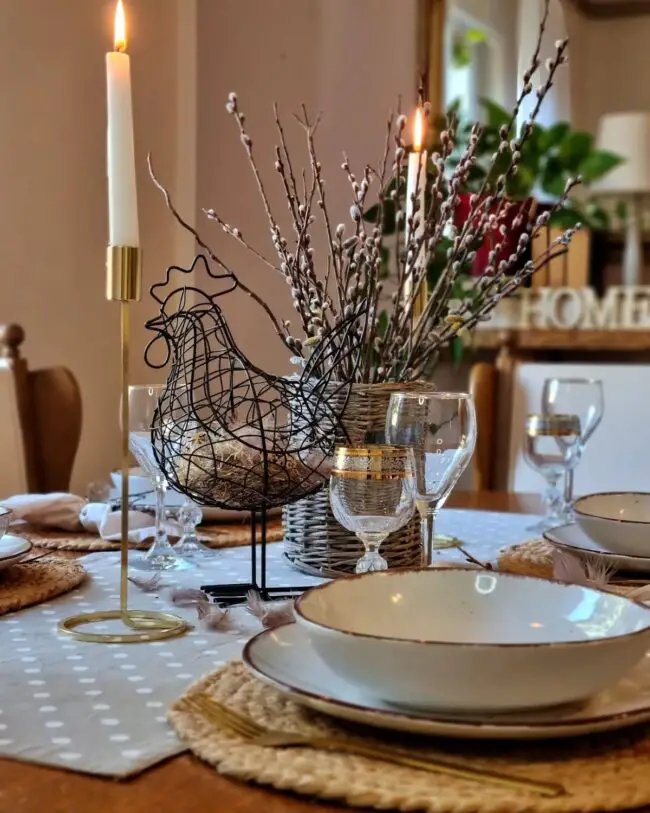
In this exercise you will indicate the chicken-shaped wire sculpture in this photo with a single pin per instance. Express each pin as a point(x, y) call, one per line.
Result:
point(226, 433)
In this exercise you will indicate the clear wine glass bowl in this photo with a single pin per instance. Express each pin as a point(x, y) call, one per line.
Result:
point(574, 396)
point(440, 427)
point(372, 495)
point(143, 403)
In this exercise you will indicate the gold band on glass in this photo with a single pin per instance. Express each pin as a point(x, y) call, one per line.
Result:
point(348, 474)
point(123, 285)
point(552, 425)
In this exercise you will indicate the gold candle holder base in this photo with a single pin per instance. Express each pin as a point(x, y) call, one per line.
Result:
point(123, 285)
point(145, 626)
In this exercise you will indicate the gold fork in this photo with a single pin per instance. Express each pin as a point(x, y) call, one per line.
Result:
point(237, 724)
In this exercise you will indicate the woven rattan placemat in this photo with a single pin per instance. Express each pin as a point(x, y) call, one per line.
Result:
point(532, 558)
point(214, 536)
point(24, 585)
point(600, 773)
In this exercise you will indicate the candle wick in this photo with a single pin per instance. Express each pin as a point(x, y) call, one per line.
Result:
point(120, 47)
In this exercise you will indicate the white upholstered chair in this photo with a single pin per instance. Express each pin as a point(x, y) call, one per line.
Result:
point(617, 456)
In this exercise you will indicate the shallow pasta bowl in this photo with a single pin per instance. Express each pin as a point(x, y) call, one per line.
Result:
point(468, 641)
point(619, 521)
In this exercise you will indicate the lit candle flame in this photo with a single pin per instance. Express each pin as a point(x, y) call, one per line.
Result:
point(418, 130)
point(120, 28)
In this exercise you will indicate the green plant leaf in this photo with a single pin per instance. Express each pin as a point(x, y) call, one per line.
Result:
point(566, 218)
point(596, 216)
point(554, 135)
point(457, 349)
point(495, 114)
point(475, 36)
point(574, 149)
point(597, 164)
point(461, 53)
point(553, 178)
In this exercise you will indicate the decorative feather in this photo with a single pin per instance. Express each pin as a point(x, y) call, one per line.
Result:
point(569, 568)
point(187, 596)
point(270, 613)
point(212, 616)
point(147, 585)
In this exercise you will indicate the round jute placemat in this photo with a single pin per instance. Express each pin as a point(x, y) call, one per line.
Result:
point(214, 536)
point(601, 773)
point(24, 585)
point(532, 558)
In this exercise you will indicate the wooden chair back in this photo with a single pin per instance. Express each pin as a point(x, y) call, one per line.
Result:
point(615, 457)
point(40, 421)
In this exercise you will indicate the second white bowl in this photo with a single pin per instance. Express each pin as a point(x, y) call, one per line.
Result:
point(617, 521)
point(462, 640)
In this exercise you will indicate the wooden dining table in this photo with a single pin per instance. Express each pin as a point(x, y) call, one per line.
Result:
point(182, 784)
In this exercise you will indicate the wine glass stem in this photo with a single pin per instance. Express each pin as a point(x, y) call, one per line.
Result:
point(568, 491)
point(428, 521)
point(161, 542)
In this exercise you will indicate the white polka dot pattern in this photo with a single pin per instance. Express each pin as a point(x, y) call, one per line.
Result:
point(102, 708)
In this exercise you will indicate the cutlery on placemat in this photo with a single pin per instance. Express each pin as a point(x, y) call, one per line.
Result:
point(234, 723)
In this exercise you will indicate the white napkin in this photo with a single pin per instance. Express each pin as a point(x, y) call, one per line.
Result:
point(68, 512)
point(56, 510)
point(98, 518)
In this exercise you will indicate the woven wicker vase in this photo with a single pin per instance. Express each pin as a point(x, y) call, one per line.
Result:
point(314, 542)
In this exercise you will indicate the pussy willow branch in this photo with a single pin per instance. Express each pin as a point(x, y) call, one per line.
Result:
point(353, 263)
point(217, 260)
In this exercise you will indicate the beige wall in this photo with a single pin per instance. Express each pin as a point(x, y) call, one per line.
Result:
point(350, 59)
point(53, 196)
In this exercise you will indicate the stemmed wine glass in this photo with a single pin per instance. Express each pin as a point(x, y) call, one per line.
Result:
point(441, 428)
point(552, 447)
point(372, 495)
point(143, 402)
point(575, 396)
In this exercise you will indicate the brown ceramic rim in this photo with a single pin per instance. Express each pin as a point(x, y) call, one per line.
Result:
point(400, 715)
point(497, 574)
point(548, 536)
point(611, 494)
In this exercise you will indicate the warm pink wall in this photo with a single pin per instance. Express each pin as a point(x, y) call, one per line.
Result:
point(349, 59)
point(53, 192)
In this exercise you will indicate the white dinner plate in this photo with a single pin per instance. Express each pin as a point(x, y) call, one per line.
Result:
point(575, 540)
point(13, 549)
point(283, 658)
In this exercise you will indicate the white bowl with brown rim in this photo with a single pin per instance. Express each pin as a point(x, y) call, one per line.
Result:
point(467, 641)
point(619, 521)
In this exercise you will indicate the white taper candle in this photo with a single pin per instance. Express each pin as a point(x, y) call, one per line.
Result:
point(122, 190)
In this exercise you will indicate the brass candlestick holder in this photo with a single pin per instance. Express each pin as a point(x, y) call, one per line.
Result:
point(123, 284)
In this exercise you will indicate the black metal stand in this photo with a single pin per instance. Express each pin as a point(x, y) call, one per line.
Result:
point(235, 593)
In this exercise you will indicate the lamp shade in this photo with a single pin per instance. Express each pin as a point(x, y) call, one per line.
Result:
point(627, 135)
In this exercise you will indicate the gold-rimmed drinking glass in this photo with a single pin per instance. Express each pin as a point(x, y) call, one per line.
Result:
point(372, 494)
point(552, 447)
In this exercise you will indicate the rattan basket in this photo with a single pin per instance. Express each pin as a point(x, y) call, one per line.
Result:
point(314, 542)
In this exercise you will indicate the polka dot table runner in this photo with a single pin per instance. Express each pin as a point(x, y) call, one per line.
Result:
point(101, 708)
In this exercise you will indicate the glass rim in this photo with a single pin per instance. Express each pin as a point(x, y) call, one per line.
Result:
point(561, 380)
point(446, 395)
